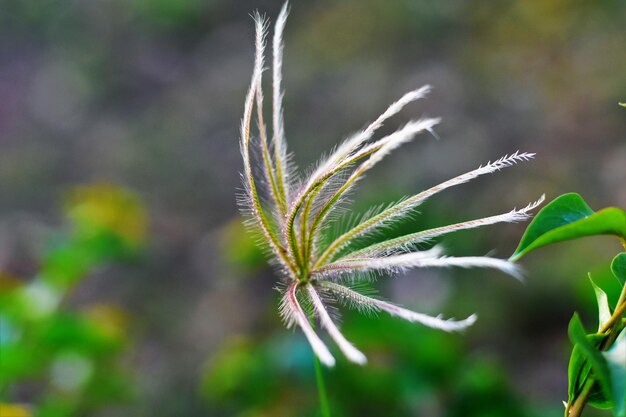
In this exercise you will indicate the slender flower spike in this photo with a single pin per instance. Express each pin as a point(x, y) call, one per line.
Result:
point(292, 217)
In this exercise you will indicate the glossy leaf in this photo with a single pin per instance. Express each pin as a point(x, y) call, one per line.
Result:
point(604, 312)
point(616, 360)
point(578, 369)
point(599, 367)
point(618, 267)
point(569, 217)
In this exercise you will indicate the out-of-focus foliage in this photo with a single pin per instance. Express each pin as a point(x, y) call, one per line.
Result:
point(240, 251)
point(61, 361)
point(413, 371)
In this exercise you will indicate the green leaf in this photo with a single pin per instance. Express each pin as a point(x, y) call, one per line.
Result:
point(618, 267)
point(599, 367)
point(579, 367)
point(622, 104)
point(569, 217)
point(604, 312)
point(616, 360)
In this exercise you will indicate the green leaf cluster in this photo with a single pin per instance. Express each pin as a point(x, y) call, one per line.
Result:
point(597, 369)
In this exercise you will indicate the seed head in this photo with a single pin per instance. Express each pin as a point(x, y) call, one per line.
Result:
point(291, 216)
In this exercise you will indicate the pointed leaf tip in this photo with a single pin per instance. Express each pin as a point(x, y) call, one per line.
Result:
point(569, 217)
point(618, 267)
point(604, 312)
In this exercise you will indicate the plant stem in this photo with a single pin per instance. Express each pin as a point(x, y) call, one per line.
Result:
point(611, 325)
point(578, 406)
point(622, 297)
point(321, 388)
point(319, 377)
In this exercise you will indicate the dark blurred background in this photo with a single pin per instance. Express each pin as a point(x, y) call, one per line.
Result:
point(143, 99)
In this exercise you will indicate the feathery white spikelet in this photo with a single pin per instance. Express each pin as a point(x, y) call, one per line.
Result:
point(292, 219)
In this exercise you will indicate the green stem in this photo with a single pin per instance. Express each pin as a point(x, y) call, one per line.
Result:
point(612, 325)
point(319, 377)
point(321, 388)
point(578, 406)
point(622, 297)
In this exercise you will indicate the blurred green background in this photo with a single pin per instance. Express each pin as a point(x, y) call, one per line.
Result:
point(127, 285)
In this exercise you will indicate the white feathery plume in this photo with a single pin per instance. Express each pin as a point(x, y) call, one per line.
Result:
point(293, 236)
point(423, 259)
point(397, 139)
point(377, 152)
point(356, 140)
point(280, 145)
point(270, 170)
point(294, 313)
point(503, 265)
point(397, 262)
point(407, 242)
point(352, 353)
point(254, 84)
point(405, 206)
point(369, 303)
point(343, 157)
point(251, 203)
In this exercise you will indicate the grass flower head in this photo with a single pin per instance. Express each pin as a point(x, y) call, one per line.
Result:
point(291, 215)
